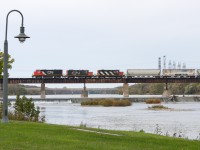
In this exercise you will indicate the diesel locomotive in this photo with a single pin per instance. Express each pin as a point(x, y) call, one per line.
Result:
point(57, 73)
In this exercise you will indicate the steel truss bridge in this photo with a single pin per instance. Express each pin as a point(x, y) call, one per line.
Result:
point(104, 80)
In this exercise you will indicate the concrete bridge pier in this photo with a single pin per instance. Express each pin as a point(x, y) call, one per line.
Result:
point(84, 92)
point(43, 95)
point(125, 90)
point(166, 92)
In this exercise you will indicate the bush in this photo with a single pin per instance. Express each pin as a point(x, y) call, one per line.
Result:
point(153, 101)
point(107, 102)
point(24, 110)
point(158, 107)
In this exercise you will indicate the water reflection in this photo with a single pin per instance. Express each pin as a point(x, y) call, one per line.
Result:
point(183, 121)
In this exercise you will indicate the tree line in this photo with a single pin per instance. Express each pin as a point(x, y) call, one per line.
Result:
point(19, 89)
point(140, 89)
point(158, 88)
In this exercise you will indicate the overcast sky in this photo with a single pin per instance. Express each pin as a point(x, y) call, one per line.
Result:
point(101, 34)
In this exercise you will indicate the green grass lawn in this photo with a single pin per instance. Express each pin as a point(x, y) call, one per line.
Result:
point(17, 135)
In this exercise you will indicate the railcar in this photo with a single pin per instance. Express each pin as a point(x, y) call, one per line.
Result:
point(109, 73)
point(78, 73)
point(198, 73)
point(44, 73)
point(179, 72)
point(143, 73)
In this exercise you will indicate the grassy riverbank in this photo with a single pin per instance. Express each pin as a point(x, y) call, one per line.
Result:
point(31, 136)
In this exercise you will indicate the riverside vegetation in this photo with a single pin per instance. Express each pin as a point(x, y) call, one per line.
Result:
point(136, 89)
point(158, 107)
point(158, 88)
point(155, 107)
point(24, 109)
point(152, 101)
point(106, 102)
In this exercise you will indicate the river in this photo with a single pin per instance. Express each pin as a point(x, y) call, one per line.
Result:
point(182, 120)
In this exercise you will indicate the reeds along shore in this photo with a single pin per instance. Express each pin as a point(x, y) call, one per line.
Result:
point(110, 102)
point(153, 101)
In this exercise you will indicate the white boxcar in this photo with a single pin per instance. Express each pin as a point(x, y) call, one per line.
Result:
point(143, 72)
point(178, 72)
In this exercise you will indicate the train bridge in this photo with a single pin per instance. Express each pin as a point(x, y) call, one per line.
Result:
point(105, 80)
point(124, 80)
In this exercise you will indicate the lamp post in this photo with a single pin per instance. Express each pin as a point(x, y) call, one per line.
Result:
point(22, 37)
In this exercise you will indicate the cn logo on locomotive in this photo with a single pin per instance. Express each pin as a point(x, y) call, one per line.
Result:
point(49, 72)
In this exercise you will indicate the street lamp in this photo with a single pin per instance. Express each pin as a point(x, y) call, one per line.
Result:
point(22, 37)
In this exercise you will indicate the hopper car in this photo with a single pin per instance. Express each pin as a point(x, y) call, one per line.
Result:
point(198, 72)
point(179, 72)
point(143, 73)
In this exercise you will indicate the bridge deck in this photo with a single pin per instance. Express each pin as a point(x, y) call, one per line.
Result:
point(104, 80)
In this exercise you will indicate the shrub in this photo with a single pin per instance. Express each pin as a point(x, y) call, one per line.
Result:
point(158, 107)
point(153, 101)
point(25, 110)
point(107, 102)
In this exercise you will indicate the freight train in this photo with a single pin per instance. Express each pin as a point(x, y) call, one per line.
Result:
point(130, 73)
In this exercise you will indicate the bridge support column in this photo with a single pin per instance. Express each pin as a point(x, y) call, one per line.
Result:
point(166, 92)
point(84, 92)
point(1, 90)
point(125, 90)
point(43, 95)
